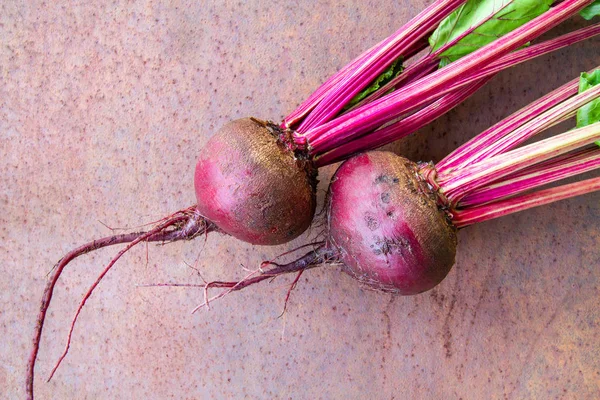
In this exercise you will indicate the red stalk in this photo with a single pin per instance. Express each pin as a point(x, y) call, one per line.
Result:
point(438, 108)
point(495, 168)
point(462, 218)
point(401, 128)
point(467, 153)
point(504, 137)
point(417, 70)
point(416, 94)
point(318, 95)
point(372, 66)
point(531, 52)
point(509, 140)
point(535, 176)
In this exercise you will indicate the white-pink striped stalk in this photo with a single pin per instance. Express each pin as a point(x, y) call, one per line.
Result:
point(530, 52)
point(429, 63)
point(469, 216)
point(423, 67)
point(431, 112)
point(318, 95)
point(493, 169)
point(376, 62)
point(401, 128)
point(514, 130)
point(413, 96)
point(533, 177)
point(467, 153)
point(555, 115)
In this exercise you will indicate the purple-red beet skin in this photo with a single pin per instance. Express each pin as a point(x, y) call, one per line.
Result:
point(251, 186)
point(386, 225)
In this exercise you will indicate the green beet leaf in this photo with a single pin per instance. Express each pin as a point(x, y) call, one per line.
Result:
point(590, 113)
point(591, 11)
point(393, 71)
point(481, 22)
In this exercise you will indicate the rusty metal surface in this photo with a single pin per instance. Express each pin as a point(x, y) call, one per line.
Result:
point(103, 107)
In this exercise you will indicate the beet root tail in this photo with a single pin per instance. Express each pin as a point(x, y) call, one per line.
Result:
point(185, 224)
point(317, 257)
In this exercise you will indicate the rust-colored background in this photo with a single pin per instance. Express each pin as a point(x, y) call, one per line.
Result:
point(103, 108)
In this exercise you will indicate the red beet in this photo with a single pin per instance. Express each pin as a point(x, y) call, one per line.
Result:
point(252, 186)
point(386, 226)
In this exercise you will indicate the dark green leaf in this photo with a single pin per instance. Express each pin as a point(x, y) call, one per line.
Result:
point(393, 71)
point(590, 113)
point(486, 20)
point(591, 11)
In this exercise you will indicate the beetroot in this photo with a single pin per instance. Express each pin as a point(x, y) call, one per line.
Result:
point(386, 226)
point(252, 186)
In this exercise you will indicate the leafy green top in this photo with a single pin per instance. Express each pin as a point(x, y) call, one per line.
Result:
point(591, 11)
point(471, 26)
point(479, 22)
point(590, 113)
point(390, 73)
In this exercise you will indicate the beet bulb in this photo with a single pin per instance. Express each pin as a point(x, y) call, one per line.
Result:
point(386, 226)
point(253, 186)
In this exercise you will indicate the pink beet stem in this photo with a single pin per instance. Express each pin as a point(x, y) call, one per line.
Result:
point(462, 218)
point(468, 153)
point(413, 96)
point(423, 66)
point(536, 176)
point(531, 52)
point(495, 168)
point(188, 224)
point(318, 95)
point(433, 111)
point(428, 63)
point(389, 51)
point(457, 181)
point(401, 128)
point(555, 115)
